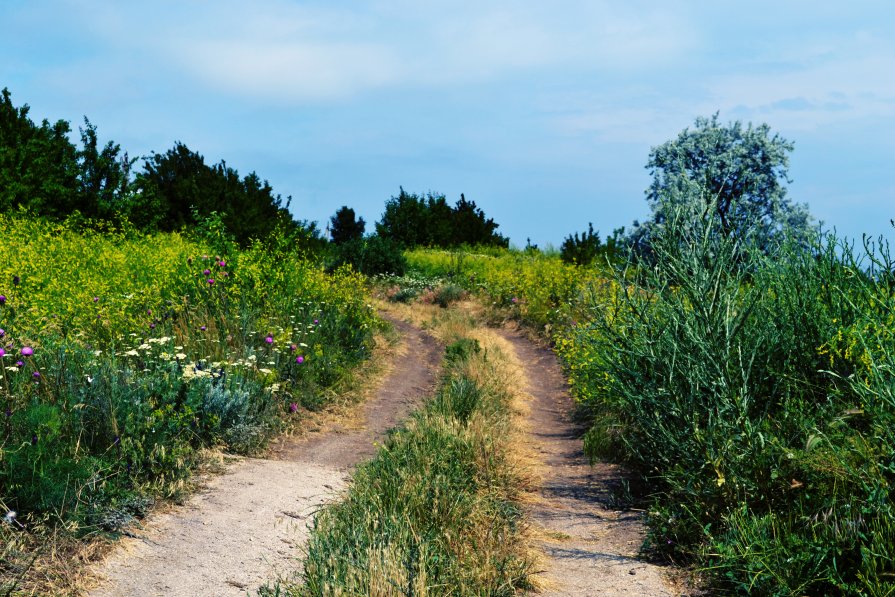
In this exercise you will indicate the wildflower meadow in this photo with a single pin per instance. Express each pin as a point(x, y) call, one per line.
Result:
point(125, 354)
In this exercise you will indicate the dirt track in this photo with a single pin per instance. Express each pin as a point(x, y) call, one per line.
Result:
point(591, 549)
point(245, 527)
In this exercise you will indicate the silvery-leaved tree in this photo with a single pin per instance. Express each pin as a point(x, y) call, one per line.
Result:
point(733, 175)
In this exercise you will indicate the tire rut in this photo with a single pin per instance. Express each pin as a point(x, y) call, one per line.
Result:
point(590, 548)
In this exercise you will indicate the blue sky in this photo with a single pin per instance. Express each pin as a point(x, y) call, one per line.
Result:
point(542, 112)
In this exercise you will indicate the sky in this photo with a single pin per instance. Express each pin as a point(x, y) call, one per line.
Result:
point(543, 113)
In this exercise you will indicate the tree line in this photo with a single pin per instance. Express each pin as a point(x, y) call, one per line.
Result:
point(45, 174)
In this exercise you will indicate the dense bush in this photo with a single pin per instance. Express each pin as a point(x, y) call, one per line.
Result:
point(585, 249)
point(371, 256)
point(413, 220)
point(753, 393)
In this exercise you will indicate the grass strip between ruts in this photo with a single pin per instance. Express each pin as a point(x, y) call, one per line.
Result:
point(435, 511)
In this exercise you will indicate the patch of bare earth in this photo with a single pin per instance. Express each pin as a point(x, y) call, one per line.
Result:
point(245, 527)
point(589, 548)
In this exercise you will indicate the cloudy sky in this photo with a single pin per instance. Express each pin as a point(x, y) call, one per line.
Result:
point(542, 112)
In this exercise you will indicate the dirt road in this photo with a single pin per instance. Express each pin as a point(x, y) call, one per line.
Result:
point(245, 527)
point(591, 549)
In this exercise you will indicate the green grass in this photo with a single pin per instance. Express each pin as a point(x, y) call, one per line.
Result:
point(434, 511)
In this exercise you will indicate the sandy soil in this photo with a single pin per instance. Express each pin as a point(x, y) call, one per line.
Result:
point(590, 549)
point(247, 525)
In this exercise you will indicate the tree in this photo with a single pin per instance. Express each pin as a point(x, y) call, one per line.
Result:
point(177, 184)
point(416, 220)
point(733, 174)
point(406, 220)
point(471, 227)
point(585, 249)
point(38, 164)
point(104, 176)
point(344, 225)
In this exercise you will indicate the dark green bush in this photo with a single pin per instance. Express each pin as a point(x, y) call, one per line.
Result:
point(372, 255)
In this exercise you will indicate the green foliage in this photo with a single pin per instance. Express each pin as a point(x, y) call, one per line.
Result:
point(768, 456)
point(139, 360)
point(447, 294)
point(38, 164)
point(751, 392)
point(345, 226)
point(587, 248)
point(731, 173)
point(178, 183)
point(414, 220)
point(371, 256)
point(43, 173)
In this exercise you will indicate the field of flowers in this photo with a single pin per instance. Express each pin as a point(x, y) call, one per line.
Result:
point(125, 354)
point(753, 396)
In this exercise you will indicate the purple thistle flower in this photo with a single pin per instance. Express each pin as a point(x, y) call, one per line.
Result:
point(2, 300)
point(269, 339)
point(2, 353)
point(36, 375)
point(152, 326)
point(206, 271)
point(20, 364)
point(299, 359)
point(27, 351)
point(225, 274)
point(293, 407)
point(210, 281)
point(316, 322)
point(293, 348)
point(96, 299)
point(202, 328)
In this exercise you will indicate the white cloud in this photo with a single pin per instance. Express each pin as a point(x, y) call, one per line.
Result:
point(287, 71)
point(284, 51)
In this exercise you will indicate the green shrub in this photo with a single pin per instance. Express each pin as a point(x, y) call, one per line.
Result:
point(768, 451)
point(448, 294)
point(370, 256)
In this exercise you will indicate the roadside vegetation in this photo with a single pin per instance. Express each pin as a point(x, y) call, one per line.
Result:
point(124, 355)
point(739, 361)
point(435, 511)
